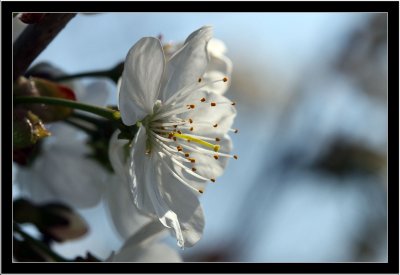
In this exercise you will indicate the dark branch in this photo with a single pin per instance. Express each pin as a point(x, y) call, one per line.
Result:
point(35, 38)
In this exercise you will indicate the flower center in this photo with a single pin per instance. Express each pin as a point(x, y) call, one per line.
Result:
point(179, 140)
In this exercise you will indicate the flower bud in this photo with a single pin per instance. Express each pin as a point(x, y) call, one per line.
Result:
point(54, 220)
point(61, 223)
point(31, 18)
point(27, 128)
point(41, 87)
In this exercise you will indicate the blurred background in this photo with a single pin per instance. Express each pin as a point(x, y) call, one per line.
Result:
point(310, 184)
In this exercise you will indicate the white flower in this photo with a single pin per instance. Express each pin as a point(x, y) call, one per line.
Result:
point(143, 247)
point(182, 142)
point(62, 171)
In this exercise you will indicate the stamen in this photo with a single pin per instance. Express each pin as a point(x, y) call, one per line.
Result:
point(179, 148)
point(225, 79)
point(203, 99)
point(215, 125)
point(191, 129)
point(233, 103)
point(213, 180)
point(187, 155)
point(215, 147)
point(217, 139)
point(192, 160)
point(216, 156)
point(201, 191)
point(199, 80)
point(235, 156)
point(190, 120)
point(213, 104)
point(194, 169)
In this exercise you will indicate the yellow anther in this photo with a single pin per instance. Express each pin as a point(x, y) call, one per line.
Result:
point(197, 140)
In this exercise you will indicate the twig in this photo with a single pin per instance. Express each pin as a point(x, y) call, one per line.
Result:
point(35, 38)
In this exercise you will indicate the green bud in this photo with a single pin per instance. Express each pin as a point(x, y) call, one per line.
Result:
point(27, 128)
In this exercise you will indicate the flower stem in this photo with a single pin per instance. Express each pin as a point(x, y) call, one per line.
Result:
point(103, 112)
point(44, 248)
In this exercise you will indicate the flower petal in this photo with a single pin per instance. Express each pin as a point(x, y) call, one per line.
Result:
point(126, 217)
point(211, 121)
point(137, 172)
point(188, 64)
point(63, 173)
point(141, 247)
point(184, 202)
point(141, 80)
point(219, 67)
point(186, 205)
point(154, 253)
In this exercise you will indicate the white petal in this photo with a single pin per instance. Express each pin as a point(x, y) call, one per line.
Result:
point(154, 180)
point(188, 64)
point(137, 172)
point(118, 153)
point(216, 47)
point(154, 253)
point(141, 79)
point(218, 68)
point(222, 114)
point(63, 173)
point(185, 204)
point(141, 247)
point(126, 217)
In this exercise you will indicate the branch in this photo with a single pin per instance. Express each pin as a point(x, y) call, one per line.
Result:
point(35, 38)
